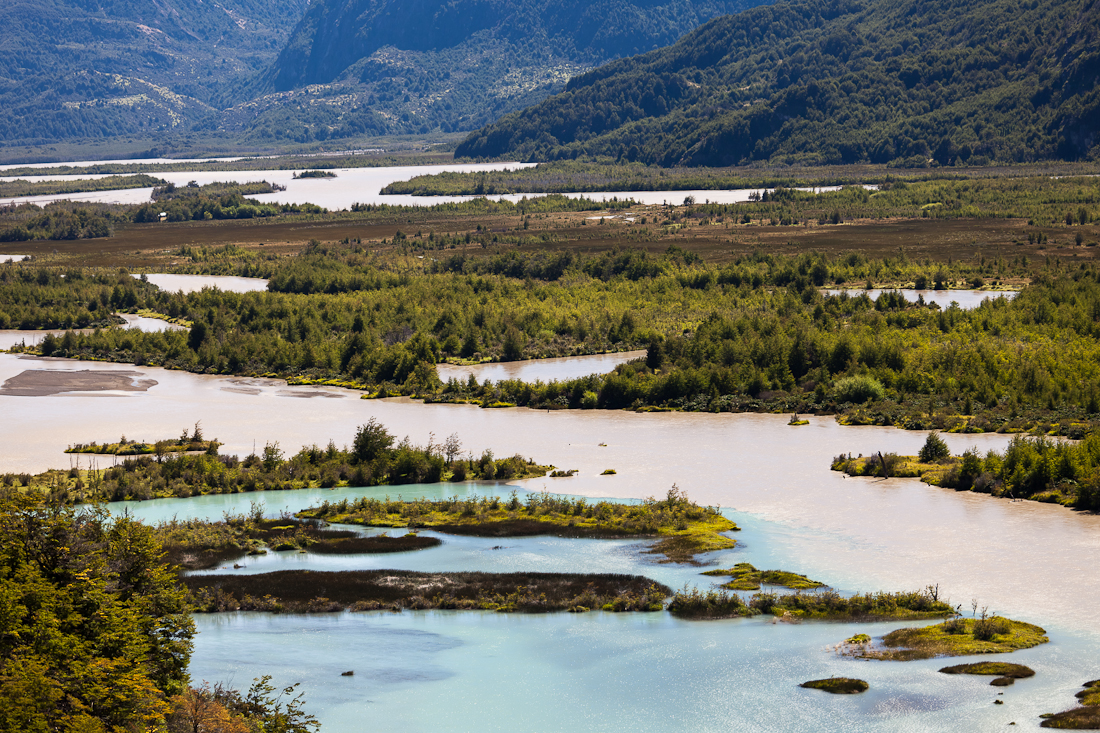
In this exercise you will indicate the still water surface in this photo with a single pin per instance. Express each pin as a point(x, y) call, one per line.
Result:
point(195, 283)
point(364, 185)
point(966, 299)
point(458, 671)
point(532, 370)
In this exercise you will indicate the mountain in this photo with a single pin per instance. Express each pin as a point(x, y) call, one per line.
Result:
point(841, 81)
point(408, 66)
point(101, 68)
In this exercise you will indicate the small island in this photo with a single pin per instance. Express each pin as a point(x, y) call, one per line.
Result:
point(310, 591)
point(682, 527)
point(1005, 673)
point(956, 637)
point(838, 685)
point(747, 577)
point(314, 174)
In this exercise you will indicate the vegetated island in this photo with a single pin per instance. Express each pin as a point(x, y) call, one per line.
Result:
point(838, 685)
point(747, 577)
point(193, 443)
point(1039, 469)
point(374, 459)
point(1086, 717)
point(314, 174)
point(954, 638)
point(824, 605)
point(682, 527)
point(298, 591)
point(1004, 673)
point(197, 544)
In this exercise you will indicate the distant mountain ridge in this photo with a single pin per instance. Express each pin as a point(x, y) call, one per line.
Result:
point(97, 68)
point(842, 81)
point(417, 65)
point(284, 72)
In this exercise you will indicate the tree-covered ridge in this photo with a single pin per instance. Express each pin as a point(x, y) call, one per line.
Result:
point(899, 81)
point(412, 67)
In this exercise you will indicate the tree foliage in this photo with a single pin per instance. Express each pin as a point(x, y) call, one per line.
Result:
point(904, 82)
point(94, 629)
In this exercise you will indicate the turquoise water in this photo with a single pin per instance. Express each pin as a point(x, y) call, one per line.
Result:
point(457, 671)
point(462, 671)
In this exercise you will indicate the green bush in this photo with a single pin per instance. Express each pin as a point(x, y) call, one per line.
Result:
point(935, 449)
point(859, 389)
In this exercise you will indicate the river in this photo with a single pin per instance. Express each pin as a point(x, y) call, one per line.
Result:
point(456, 671)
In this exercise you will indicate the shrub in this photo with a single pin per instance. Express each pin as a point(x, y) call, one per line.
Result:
point(858, 389)
point(935, 449)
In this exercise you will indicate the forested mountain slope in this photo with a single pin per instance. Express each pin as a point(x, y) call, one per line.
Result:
point(901, 81)
point(96, 68)
point(415, 65)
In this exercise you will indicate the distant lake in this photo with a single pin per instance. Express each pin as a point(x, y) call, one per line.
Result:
point(967, 299)
point(194, 283)
point(362, 185)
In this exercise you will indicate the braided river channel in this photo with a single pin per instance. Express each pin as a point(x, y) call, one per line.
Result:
point(470, 670)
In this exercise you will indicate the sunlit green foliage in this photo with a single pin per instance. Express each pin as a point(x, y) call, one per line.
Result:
point(94, 633)
point(181, 475)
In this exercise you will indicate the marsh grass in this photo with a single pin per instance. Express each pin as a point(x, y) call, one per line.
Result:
point(838, 685)
point(955, 638)
point(200, 544)
point(1086, 717)
point(684, 528)
point(747, 577)
point(310, 591)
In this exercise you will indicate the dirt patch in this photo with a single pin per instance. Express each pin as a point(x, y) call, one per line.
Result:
point(42, 383)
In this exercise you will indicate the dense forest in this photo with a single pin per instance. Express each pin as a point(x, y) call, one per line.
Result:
point(888, 81)
point(756, 334)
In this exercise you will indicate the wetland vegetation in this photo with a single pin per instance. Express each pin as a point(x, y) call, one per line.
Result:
point(955, 637)
point(824, 605)
point(682, 527)
point(838, 685)
point(308, 591)
point(1084, 717)
point(747, 577)
point(375, 458)
point(201, 545)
